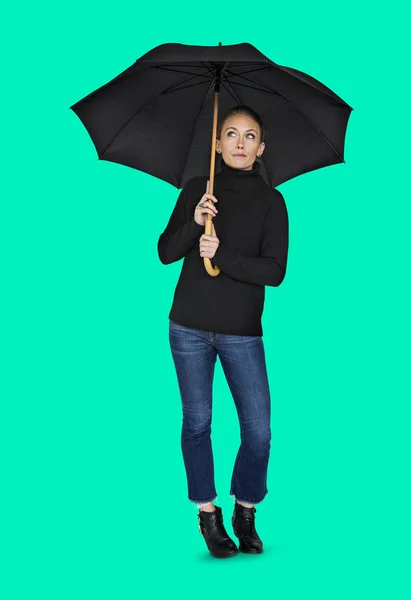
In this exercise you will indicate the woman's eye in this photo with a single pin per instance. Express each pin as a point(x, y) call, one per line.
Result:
point(252, 135)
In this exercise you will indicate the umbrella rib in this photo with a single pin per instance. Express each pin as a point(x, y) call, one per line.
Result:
point(250, 70)
point(123, 76)
point(282, 68)
point(206, 75)
point(210, 88)
point(132, 117)
point(180, 71)
point(155, 98)
point(268, 90)
point(194, 128)
point(259, 89)
point(193, 77)
point(207, 94)
point(232, 92)
point(210, 70)
point(178, 89)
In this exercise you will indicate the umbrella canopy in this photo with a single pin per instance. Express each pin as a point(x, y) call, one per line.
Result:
point(156, 116)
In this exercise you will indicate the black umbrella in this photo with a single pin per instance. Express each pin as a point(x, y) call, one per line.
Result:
point(156, 116)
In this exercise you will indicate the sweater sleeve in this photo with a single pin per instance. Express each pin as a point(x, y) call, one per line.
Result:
point(270, 266)
point(182, 231)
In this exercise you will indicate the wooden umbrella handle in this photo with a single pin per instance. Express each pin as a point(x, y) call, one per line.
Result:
point(213, 271)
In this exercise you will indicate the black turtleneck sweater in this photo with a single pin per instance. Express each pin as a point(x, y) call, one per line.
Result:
point(252, 227)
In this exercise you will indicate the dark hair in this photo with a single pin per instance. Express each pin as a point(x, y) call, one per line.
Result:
point(244, 110)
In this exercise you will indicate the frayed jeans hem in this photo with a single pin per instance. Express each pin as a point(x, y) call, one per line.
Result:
point(247, 500)
point(200, 501)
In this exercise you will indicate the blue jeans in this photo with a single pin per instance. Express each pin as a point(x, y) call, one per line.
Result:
point(243, 361)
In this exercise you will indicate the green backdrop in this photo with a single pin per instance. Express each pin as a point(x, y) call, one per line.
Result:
point(94, 491)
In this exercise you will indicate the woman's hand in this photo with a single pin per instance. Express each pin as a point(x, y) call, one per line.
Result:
point(200, 212)
point(209, 243)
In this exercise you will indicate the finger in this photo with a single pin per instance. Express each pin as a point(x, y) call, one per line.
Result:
point(207, 211)
point(208, 208)
point(211, 205)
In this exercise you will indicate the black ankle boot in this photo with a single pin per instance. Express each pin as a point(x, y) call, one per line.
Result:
point(243, 525)
point(215, 535)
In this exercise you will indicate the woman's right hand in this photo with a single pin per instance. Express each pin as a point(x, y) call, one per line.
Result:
point(200, 212)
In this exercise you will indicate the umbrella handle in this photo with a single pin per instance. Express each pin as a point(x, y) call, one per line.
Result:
point(213, 271)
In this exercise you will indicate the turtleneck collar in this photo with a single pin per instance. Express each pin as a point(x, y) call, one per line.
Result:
point(238, 180)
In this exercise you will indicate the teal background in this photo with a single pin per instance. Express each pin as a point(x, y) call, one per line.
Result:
point(93, 485)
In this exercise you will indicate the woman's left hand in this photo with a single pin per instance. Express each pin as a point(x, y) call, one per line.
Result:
point(209, 243)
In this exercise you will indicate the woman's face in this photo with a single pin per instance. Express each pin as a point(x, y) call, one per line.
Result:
point(239, 143)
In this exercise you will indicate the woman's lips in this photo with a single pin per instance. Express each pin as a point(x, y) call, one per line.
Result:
point(239, 155)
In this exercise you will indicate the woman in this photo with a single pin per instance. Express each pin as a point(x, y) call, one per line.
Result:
point(221, 316)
